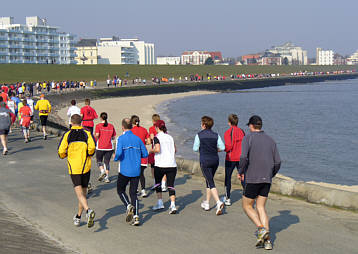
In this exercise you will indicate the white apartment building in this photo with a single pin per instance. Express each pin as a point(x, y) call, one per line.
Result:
point(295, 55)
point(168, 60)
point(194, 57)
point(35, 42)
point(125, 51)
point(324, 57)
point(353, 59)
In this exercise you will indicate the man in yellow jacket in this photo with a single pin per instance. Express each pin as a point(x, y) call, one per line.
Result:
point(44, 108)
point(78, 146)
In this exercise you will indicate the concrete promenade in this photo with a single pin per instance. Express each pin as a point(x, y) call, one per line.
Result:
point(35, 185)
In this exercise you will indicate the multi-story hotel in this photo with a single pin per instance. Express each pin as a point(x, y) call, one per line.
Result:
point(291, 54)
point(86, 51)
point(35, 43)
point(168, 60)
point(324, 57)
point(353, 59)
point(198, 57)
point(125, 51)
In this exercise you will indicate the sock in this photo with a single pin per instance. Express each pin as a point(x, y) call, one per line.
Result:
point(102, 171)
point(87, 210)
point(78, 216)
point(163, 183)
point(172, 203)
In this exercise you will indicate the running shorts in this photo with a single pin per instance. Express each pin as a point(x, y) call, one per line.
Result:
point(252, 190)
point(4, 132)
point(43, 120)
point(81, 179)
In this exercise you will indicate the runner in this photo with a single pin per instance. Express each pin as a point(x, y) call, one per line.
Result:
point(259, 163)
point(25, 120)
point(208, 143)
point(4, 96)
point(142, 133)
point(129, 151)
point(6, 117)
point(44, 108)
point(104, 133)
point(13, 107)
point(88, 114)
point(30, 103)
point(165, 164)
point(78, 146)
point(72, 110)
point(233, 138)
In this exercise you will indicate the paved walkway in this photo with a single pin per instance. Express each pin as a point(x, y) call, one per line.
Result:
point(34, 183)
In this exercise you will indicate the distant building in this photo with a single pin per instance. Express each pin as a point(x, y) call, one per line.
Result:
point(290, 54)
point(34, 43)
point(197, 57)
point(324, 57)
point(251, 59)
point(125, 51)
point(270, 59)
point(339, 59)
point(86, 51)
point(168, 60)
point(216, 56)
point(353, 59)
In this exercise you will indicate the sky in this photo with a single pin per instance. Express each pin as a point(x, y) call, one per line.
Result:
point(234, 27)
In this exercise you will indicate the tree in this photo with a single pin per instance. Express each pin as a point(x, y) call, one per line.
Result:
point(209, 61)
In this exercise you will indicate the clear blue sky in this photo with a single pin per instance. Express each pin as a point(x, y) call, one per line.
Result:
point(234, 27)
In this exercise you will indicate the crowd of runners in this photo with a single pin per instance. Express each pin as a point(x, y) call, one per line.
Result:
point(255, 156)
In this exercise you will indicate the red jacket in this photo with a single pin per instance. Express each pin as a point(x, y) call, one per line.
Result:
point(233, 138)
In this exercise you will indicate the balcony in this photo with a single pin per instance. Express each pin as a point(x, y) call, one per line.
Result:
point(4, 38)
point(4, 53)
point(4, 46)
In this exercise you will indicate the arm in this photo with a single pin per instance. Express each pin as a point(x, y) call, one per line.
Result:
point(196, 145)
point(36, 106)
point(244, 156)
point(63, 146)
point(228, 142)
point(143, 150)
point(91, 145)
point(49, 107)
point(277, 161)
point(119, 150)
point(220, 145)
point(69, 112)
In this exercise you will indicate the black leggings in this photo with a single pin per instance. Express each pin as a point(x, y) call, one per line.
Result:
point(170, 173)
point(122, 183)
point(229, 168)
point(142, 178)
point(209, 171)
point(104, 156)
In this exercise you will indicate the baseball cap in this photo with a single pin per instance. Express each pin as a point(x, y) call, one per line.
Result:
point(159, 124)
point(42, 96)
point(255, 120)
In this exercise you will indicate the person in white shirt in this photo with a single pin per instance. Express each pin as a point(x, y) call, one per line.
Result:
point(165, 164)
point(30, 103)
point(73, 110)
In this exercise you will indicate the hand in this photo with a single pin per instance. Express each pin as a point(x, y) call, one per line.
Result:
point(241, 177)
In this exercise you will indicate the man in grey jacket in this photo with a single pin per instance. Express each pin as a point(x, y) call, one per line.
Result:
point(5, 123)
point(259, 163)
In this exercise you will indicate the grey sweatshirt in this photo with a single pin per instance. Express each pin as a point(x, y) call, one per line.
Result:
point(260, 160)
point(5, 120)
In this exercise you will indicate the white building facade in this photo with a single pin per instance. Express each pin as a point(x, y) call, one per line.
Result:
point(194, 57)
point(353, 59)
point(168, 60)
point(34, 43)
point(125, 51)
point(295, 55)
point(324, 57)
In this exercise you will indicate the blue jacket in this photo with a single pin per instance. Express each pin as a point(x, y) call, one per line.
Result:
point(129, 151)
point(207, 143)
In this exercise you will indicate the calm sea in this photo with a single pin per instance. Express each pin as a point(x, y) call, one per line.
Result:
point(314, 125)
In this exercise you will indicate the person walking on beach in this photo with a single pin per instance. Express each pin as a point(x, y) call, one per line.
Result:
point(165, 164)
point(44, 108)
point(129, 151)
point(72, 110)
point(233, 138)
point(259, 163)
point(208, 144)
point(25, 120)
point(88, 114)
point(142, 133)
point(104, 134)
point(79, 146)
point(6, 118)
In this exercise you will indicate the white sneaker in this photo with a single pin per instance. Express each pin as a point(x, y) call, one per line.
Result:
point(90, 218)
point(226, 201)
point(172, 210)
point(106, 179)
point(158, 206)
point(130, 213)
point(102, 175)
point(76, 221)
point(205, 205)
point(164, 188)
point(219, 208)
point(135, 221)
point(144, 194)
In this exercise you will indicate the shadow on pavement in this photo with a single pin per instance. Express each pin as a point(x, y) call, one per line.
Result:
point(98, 187)
point(281, 222)
point(27, 149)
point(236, 195)
point(182, 180)
point(111, 212)
point(188, 199)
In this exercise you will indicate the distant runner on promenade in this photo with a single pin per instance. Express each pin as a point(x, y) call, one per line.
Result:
point(88, 114)
point(208, 144)
point(259, 163)
point(25, 120)
point(78, 146)
point(233, 138)
point(129, 151)
point(72, 110)
point(44, 108)
point(6, 118)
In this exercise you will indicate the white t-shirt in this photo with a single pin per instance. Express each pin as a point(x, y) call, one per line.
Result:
point(30, 102)
point(11, 105)
point(166, 157)
point(72, 111)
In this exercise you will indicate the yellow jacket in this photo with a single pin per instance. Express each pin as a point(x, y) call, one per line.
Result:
point(44, 107)
point(78, 146)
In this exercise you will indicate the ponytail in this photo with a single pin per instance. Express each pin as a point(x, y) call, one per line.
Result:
point(104, 117)
point(163, 129)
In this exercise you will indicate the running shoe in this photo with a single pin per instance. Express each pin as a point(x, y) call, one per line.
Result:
point(130, 213)
point(172, 210)
point(106, 179)
point(268, 245)
point(29, 139)
point(102, 175)
point(219, 208)
point(205, 205)
point(76, 221)
point(26, 141)
point(135, 221)
point(226, 201)
point(90, 218)
point(5, 152)
point(158, 206)
point(144, 194)
point(89, 188)
point(45, 137)
point(262, 235)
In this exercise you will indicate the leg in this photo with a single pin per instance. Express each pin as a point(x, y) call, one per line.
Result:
point(158, 174)
point(260, 207)
point(229, 167)
point(247, 205)
point(107, 160)
point(134, 181)
point(80, 206)
point(171, 173)
point(82, 200)
point(4, 141)
point(122, 182)
point(142, 178)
